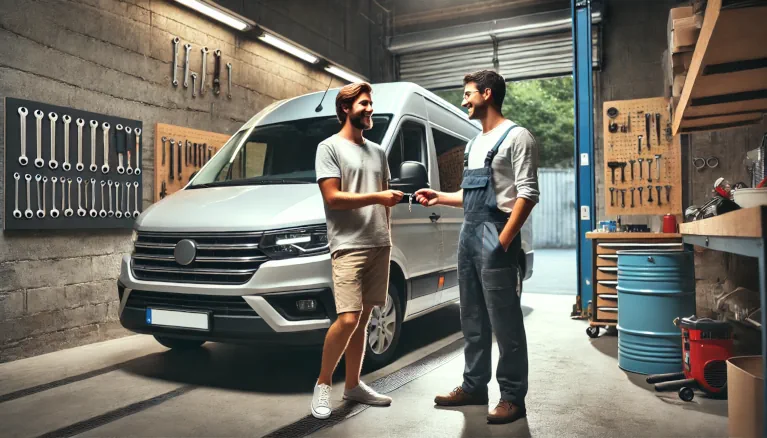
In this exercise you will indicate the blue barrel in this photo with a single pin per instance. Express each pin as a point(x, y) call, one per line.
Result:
point(654, 288)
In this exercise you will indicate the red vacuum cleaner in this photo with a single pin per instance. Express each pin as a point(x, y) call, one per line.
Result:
point(706, 346)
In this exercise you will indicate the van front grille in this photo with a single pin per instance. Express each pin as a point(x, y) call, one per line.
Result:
point(221, 258)
point(219, 305)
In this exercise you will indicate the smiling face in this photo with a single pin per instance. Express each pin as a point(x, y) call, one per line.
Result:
point(475, 101)
point(361, 112)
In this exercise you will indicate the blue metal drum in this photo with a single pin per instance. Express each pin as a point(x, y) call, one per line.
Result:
point(654, 288)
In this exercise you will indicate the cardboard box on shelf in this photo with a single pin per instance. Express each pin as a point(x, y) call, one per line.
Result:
point(678, 84)
point(685, 32)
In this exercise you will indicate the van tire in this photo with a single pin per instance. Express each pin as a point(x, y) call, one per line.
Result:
point(375, 360)
point(178, 344)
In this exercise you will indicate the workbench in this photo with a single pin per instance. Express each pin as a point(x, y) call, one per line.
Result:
point(739, 232)
point(603, 310)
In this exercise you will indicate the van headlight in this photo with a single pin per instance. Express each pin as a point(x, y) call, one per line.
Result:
point(296, 243)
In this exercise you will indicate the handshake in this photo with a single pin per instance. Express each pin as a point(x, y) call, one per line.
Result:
point(390, 198)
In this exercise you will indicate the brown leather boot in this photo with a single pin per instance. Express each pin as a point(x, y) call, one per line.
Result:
point(505, 412)
point(459, 397)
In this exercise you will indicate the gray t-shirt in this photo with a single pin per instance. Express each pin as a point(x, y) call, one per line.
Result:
point(362, 169)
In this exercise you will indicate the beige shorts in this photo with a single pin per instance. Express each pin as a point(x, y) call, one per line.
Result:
point(360, 278)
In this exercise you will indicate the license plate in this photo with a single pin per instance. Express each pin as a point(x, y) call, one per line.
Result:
point(173, 318)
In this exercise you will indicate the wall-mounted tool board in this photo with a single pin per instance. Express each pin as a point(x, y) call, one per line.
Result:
point(621, 145)
point(117, 176)
point(195, 148)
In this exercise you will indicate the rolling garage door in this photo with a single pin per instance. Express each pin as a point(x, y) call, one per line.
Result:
point(521, 48)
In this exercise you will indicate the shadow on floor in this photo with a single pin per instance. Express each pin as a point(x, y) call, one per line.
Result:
point(606, 344)
point(475, 424)
point(701, 403)
point(274, 369)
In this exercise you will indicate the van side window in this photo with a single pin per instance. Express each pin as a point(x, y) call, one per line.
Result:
point(249, 162)
point(409, 145)
point(450, 151)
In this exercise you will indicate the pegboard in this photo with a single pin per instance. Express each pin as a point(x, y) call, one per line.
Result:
point(621, 145)
point(89, 159)
point(191, 149)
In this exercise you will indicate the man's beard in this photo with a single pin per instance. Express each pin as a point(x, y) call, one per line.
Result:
point(478, 112)
point(356, 121)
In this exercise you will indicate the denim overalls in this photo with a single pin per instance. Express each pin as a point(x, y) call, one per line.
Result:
point(487, 278)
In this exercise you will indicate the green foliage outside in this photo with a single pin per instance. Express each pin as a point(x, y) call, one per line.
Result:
point(545, 107)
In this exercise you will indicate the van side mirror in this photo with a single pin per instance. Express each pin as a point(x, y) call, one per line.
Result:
point(413, 176)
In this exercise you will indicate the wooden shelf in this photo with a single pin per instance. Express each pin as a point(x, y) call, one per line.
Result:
point(617, 236)
point(726, 84)
point(746, 222)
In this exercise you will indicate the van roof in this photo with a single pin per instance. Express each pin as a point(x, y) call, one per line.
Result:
point(388, 98)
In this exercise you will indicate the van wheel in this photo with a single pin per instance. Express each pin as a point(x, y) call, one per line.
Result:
point(178, 344)
point(384, 330)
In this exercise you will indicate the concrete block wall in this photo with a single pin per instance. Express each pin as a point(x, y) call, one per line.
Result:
point(57, 288)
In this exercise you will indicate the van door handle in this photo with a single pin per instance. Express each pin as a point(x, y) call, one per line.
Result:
point(434, 217)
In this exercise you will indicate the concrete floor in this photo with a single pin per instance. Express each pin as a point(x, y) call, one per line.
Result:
point(576, 389)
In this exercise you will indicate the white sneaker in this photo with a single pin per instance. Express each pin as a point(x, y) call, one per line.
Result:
point(366, 395)
point(321, 402)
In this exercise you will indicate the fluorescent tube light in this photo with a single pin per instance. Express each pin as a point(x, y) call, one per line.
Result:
point(343, 74)
point(215, 13)
point(290, 48)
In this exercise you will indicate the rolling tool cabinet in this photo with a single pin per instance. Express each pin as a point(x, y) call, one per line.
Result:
point(603, 309)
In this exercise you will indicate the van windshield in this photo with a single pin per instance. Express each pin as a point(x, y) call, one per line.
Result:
point(281, 153)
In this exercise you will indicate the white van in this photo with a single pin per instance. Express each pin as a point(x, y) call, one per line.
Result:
point(241, 253)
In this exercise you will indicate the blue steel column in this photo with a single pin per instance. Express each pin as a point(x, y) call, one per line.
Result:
point(584, 145)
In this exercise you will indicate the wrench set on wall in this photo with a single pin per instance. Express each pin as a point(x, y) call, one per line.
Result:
point(642, 165)
point(203, 77)
point(102, 170)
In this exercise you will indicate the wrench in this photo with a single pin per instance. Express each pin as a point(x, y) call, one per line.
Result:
point(137, 131)
point(127, 200)
point(118, 213)
point(28, 212)
point(40, 211)
point(17, 212)
point(80, 166)
point(658, 188)
point(85, 193)
point(175, 61)
point(68, 212)
point(657, 162)
point(102, 212)
point(110, 213)
point(54, 210)
point(203, 76)
point(641, 200)
point(94, 125)
point(23, 160)
point(649, 189)
point(135, 201)
point(217, 72)
point(172, 146)
point(39, 162)
point(67, 120)
point(649, 169)
point(93, 211)
point(105, 167)
point(194, 84)
point(229, 79)
point(179, 161)
point(128, 131)
point(53, 164)
point(188, 48)
point(164, 140)
point(120, 168)
point(80, 210)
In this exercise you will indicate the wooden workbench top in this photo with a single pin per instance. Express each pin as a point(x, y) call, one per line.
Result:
point(746, 222)
point(606, 236)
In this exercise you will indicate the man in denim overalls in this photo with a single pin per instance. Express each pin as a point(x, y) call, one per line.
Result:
point(498, 192)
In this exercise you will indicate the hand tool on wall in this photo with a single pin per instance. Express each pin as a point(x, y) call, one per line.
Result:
point(52, 163)
point(194, 153)
point(175, 41)
point(94, 126)
point(204, 70)
point(16, 212)
point(217, 72)
point(28, 212)
point(622, 165)
point(67, 120)
point(127, 200)
point(164, 140)
point(80, 124)
point(69, 212)
point(701, 163)
point(102, 212)
point(39, 162)
point(639, 144)
point(658, 188)
point(172, 147)
point(649, 170)
point(613, 165)
point(649, 189)
point(641, 169)
point(23, 160)
point(657, 126)
point(229, 79)
point(632, 162)
point(623, 198)
point(111, 212)
point(136, 213)
point(210, 152)
point(80, 210)
point(612, 196)
point(40, 213)
point(647, 122)
point(163, 190)
point(668, 194)
point(641, 200)
point(128, 132)
point(179, 160)
point(93, 211)
point(632, 197)
point(105, 167)
point(137, 133)
point(657, 165)
point(119, 140)
point(194, 84)
point(118, 212)
point(45, 190)
point(85, 194)
point(54, 210)
point(188, 49)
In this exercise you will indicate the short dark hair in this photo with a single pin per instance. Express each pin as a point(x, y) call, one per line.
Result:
point(488, 79)
point(347, 95)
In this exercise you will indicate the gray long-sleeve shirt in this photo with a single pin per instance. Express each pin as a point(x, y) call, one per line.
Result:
point(515, 167)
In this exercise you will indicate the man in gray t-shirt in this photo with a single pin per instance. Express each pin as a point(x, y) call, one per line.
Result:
point(353, 175)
